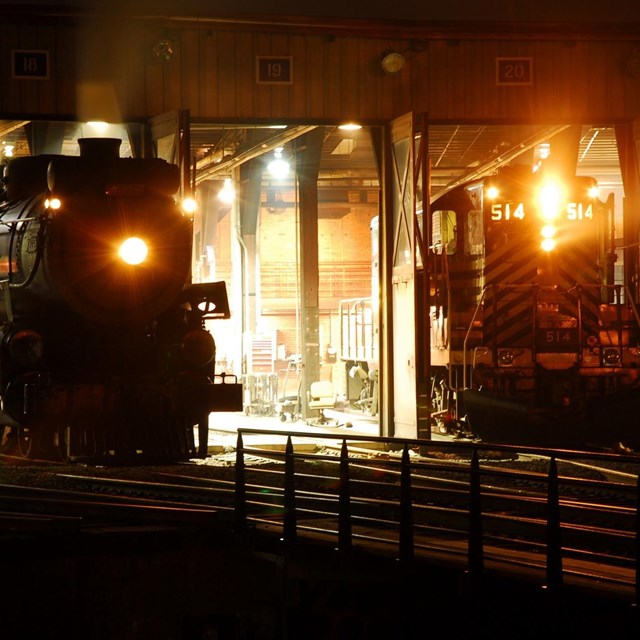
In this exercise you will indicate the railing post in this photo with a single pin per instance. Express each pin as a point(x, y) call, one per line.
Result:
point(406, 516)
point(344, 503)
point(475, 546)
point(241, 489)
point(554, 547)
point(637, 598)
point(289, 530)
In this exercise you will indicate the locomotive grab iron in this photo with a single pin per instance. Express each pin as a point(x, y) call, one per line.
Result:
point(534, 334)
point(104, 353)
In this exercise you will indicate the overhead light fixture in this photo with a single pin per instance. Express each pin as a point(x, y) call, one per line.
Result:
point(278, 167)
point(392, 62)
point(227, 194)
point(98, 126)
point(350, 126)
point(189, 205)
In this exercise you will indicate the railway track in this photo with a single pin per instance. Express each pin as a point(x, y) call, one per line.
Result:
point(597, 497)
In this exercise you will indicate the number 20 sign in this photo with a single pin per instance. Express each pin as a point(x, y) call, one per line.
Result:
point(514, 71)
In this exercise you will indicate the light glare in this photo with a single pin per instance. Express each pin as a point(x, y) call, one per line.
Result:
point(548, 231)
point(550, 199)
point(548, 244)
point(227, 194)
point(133, 251)
point(189, 205)
point(278, 167)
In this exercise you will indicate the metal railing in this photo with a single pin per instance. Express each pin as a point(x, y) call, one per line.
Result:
point(551, 515)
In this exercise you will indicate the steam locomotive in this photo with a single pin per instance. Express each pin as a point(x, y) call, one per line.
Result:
point(533, 334)
point(104, 354)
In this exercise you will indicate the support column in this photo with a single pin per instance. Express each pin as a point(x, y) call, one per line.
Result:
point(308, 152)
point(628, 139)
point(249, 208)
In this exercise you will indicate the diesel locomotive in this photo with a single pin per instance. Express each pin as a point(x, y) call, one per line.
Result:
point(104, 352)
point(534, 332)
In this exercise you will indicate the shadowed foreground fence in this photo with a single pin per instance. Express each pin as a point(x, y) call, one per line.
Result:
point(546, 515)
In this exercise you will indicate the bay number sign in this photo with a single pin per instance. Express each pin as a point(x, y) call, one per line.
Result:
point(514, 71)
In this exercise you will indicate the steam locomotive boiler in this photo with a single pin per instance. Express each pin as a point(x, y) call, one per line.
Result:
point(534, 335)
point(104, 354)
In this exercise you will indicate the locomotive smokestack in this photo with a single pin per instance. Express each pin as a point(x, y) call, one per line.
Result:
point(100, 148)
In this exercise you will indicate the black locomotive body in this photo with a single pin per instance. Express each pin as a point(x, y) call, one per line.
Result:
point(534, 334)
point(104, 352)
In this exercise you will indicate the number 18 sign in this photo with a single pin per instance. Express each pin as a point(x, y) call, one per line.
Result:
point(30, 65)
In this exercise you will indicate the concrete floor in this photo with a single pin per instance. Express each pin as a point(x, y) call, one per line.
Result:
point(223, 427)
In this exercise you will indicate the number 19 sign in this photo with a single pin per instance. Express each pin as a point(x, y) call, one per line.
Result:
point(274, 70)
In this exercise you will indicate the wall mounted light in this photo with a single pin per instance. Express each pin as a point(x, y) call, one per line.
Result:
point(392, 62)
point(278, 167)
point(164, 50)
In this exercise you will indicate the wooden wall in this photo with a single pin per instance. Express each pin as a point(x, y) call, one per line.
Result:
point(106, 70)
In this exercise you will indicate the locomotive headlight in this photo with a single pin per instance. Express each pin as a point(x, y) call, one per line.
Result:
point(133, 251)
point(492, 193)
point(611, 357)
point(52, 203)
point(594, 191)
point(548, 232)
point(550, 199)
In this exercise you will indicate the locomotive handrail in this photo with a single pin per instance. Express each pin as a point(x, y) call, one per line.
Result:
point(632, 303)
point(466, 337)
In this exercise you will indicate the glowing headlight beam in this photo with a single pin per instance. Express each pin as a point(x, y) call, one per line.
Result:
point(548, 244)
point(133, 251)
point(492, 193)
point(548, 231)
point(189, 205)
point(550, 199)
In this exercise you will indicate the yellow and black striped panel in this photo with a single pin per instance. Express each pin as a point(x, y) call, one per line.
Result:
point(523, 282)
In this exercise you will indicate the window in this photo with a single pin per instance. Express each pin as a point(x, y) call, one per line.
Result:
point(444, 231)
